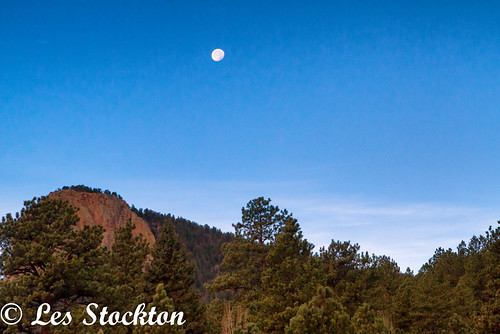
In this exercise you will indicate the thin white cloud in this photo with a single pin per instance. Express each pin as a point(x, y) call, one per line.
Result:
point(408, 232)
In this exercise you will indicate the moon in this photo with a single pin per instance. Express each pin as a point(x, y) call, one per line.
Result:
point(217, 54)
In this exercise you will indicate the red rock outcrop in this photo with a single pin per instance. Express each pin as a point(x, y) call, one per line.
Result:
point(106, 210)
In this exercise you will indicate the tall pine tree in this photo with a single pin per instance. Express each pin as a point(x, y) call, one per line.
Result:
point(171, 267)
point(47, 260)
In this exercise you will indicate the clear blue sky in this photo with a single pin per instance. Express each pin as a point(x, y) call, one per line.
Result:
point(376, 123)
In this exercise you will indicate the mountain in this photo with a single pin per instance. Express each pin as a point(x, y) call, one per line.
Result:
point(103, 209)
point(108, 209)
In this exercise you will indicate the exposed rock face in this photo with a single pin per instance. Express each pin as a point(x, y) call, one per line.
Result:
point(105, 210)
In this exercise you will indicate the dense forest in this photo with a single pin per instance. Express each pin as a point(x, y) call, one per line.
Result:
point(270, 280)
point(203, 243)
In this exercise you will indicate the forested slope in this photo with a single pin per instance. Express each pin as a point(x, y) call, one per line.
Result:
point(269, 279)
point(202, 242)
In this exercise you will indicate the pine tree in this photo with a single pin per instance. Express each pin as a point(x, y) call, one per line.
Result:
point(125, 289)
point(245, 257)
point(163, 303)
point(322, 315)
point(289, 279)
point(47, 260)
point(260, 221)
point(367, 321)
point(171, 267)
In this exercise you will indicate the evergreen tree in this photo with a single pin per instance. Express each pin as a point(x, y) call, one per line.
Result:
point(47, 260)
point(344, 267)
point(245, 257)
point(261, 221)
point(125, 288)
point(170, 266)
point(289, 280)
point(382, 279)
point(163, 303)
point(367, 321)
point(322, 315)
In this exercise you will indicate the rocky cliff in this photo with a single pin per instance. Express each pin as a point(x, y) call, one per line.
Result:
point(106, 210)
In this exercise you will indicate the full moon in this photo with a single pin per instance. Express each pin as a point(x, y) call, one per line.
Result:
point(217, 55)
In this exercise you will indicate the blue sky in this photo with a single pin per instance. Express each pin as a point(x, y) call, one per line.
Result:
point(375, 123)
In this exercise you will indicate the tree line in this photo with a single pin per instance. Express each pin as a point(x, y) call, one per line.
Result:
point(269, 280)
